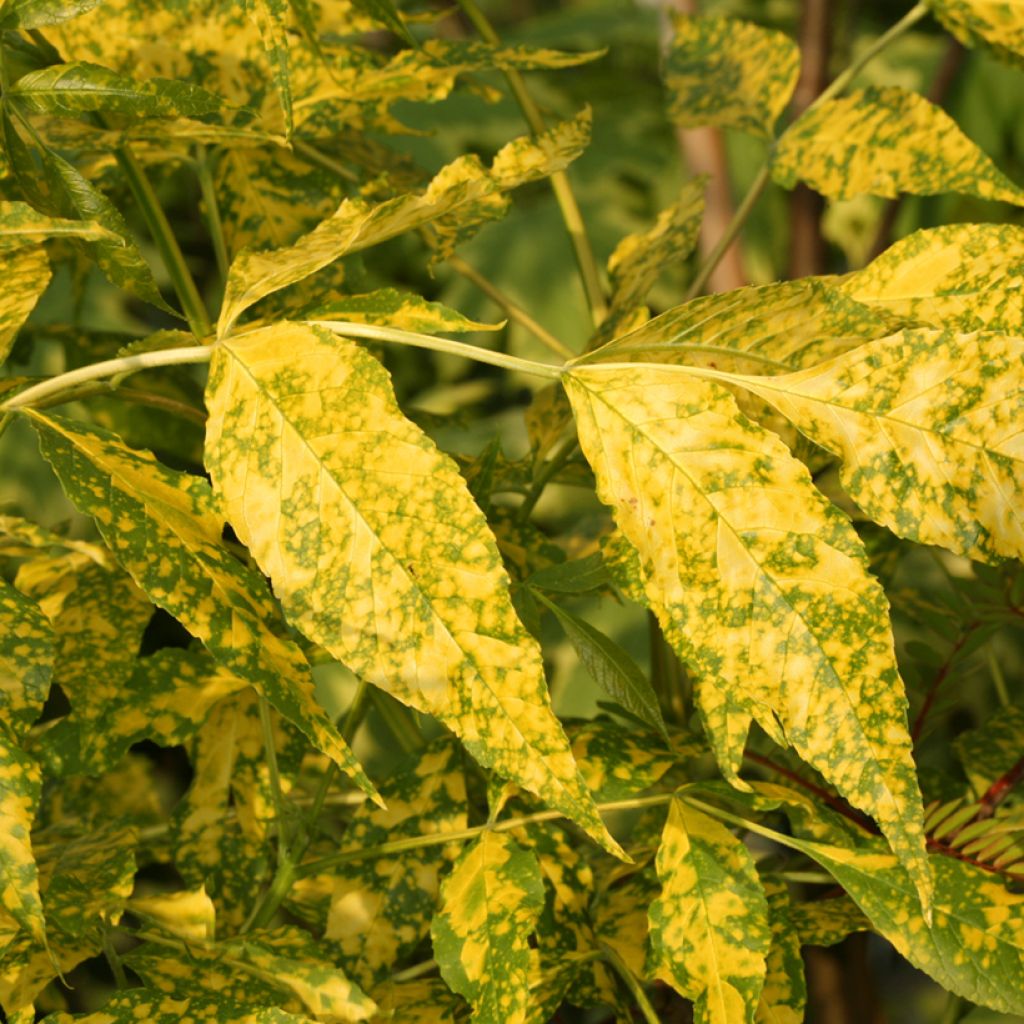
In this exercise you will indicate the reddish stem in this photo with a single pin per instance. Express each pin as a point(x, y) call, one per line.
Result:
point(1000, 789)
point(940, 678)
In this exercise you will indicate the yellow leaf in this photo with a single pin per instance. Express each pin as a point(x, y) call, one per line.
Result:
point(883, 142)
point(758, 582)
point(730, 73)
point(998, 24)
point(929, 426)
point(188, 913)
point(377, 551)
point(26, 275)
point(710, 932)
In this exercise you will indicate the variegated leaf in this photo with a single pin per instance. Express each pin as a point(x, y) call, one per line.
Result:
point(20, 786)
point(163, 526)
point(401, 310)
point(37, 13)
point(156, 1008)
point(381, 907)
point(729, 73)
point(827, 922)
point(882, 142)
point(27, 648)
point(26, 275)
point(710, 931)
point(189, 914)
point(463, 193)
point(998, 24)
point(22, 226)
point(784, 996)
point(489, 907)
point(930, 427)
point(759, 583)
point(619, 762)
point(272, 18)
point(967, 277)
point(377, 551)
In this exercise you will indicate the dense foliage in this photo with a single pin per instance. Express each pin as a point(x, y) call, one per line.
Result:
point(276, 735)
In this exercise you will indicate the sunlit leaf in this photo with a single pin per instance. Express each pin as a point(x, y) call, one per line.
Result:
point(78, 87)
point(998, 24)
point(765, 594)
point(710, 929)
point(187, 913)
point(489, 906)
point(882, 142)
point(967, 277)
point(376, 550)
point(928, 424)
point(401, 310)
point(729, 73)
point(164, 528)
point(381, 906)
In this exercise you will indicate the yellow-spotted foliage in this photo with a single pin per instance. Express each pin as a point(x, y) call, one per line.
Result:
point(314, 700)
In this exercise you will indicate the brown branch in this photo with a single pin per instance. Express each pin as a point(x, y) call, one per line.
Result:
point(940, 678)
point(1000, 789)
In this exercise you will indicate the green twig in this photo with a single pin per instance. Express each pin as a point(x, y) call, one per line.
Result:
point(212, 208)
point(547, 472)
point(566, 199)
point(270, 748)
point(160, 228)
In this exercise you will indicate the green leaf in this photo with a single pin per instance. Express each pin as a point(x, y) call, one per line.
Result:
point(400, 310)
point(489, 907)
point(997, 24)
point(967, 277)
point(784, 996)
point(729, 73)
point(710, 930)
point(79, 87)
point(882, 142)
point(27, 647)
point(640, 258)
point(20, 787)
point(927, 423)
point(579, 576)
point(164, 528)
point(610, 666)
point(26, 275)
point(22, 226)
point(974, 946)
point(271, 16)
point(990, 751)
point(827, 922)
point(381, 907)
point(463, 193)
point(39, 13)
point(759, 584)
point(377, 551)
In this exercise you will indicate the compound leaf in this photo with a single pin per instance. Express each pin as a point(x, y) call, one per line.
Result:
point(729, 73)
point(882, 142)
point(710, 931)
point(929, 426)
point(489, 906)
point(758, 582)
point(164, 528)
point(377, 551)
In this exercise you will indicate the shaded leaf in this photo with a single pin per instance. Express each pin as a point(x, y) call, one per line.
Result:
point(489, 906)
point(729, 73)
point(616, 762)
point(272, 16)
point(27, 647)
point(882, 142)
point(156, 1008)
point(22, 226)
point(759, 584)
point(164, 528)
point(784, 996)
point(400, 310)
point(188, 913)
point(38, 13)
point(20, 786)
point(928, 424)
point(998, 24)
point(388, 15)
point(990, 751)
point(26, 275)
point(710, 929)
point(377, 551)
point(827, 922)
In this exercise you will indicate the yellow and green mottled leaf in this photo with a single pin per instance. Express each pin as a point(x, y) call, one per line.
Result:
point(37, 13)
point(882, 142)
point(991, 750)
point(729, 73)
point(998, 24)
point(377, 551)
point(27, 650)
point(617, 762)
point(385, 12)
point(20, 538)
point(164, 528)
point(930, 427)
point(710, 929)
point(82, 87)
point(968, 277)
point(26, 275)
point(758, 582)
point(462, 195)
point(20, 786)
point(489, 907)
point(827, 922)
point(401, 310)
point(143, 1004)
point(784, 996)
point(96, 653)
point(381, 907)
point(974, 944)
point(22, 226)
point(222, 825)
point(49, 579)
point(189, 914)
point(271, 16)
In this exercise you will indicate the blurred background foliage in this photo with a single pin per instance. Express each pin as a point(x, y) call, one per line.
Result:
point(634, 167)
